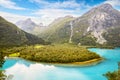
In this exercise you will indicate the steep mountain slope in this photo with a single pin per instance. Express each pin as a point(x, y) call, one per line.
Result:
point(11, 35)
point(58, 31)
point(99, 25)
point(29, 26)
point(99, 20)
point(112, 36)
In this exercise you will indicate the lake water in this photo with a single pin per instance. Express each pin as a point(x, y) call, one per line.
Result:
point(26, 70)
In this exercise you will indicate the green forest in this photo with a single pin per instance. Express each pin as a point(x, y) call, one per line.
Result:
point(53, 53)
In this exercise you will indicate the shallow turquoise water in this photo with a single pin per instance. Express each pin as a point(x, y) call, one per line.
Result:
point(26, 70)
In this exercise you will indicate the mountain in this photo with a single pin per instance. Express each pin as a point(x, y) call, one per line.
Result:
point(29, 26)
point(57, 32)
point(11, 35)
point(99, 20)
point(98, 26)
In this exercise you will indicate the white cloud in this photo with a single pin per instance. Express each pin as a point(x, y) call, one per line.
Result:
point(49, 10)
point(43, 72)
point(10, 4)
point(53, 10)
point(34, 71)
point(14, 18)
point(53, 13)
point(65, 4)
point(45, 16)
point(113, 2)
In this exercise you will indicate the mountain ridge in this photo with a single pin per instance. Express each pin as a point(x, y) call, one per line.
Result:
point(92, 27)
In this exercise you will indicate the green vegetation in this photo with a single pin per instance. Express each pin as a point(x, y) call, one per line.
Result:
point(38, 46)
point(85, 40)
point(11, 35)
point(58, 31)
point(2, 76)
point(14, 55)
point(113, 36)
point(1, 63)
point(113, 75)
point(101, 46)
point(54, 53)
point(1, 59)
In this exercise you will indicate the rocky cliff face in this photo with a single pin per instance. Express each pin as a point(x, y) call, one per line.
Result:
point(102, 18)
point(97, 21)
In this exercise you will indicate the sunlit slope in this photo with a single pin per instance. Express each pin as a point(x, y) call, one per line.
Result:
point(58, 31)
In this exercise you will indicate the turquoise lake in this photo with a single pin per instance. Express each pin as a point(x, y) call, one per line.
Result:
point(26, 70)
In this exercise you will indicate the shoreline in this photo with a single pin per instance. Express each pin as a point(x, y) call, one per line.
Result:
point(78, 64)
point(73, 64)
point(101, 47)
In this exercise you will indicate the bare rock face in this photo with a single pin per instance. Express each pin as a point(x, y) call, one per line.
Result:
point(102, 18)
point(98, 20)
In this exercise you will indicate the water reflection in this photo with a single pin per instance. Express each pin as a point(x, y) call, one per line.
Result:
point(25, 70)
point(42, 72)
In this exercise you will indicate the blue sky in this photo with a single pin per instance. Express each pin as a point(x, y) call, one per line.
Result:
point(46, 11)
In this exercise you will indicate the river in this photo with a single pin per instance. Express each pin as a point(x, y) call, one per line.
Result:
point(22, 69)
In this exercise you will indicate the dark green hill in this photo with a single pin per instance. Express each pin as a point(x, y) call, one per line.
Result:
point(11, 35)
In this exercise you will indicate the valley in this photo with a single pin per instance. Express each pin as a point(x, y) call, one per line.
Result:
point(87, 46)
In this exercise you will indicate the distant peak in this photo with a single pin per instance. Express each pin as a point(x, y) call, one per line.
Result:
point(106, 5)
point(69, 16)
point(40, 24)
point(29, 19)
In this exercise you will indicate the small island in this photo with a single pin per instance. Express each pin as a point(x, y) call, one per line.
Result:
point(56, 54)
